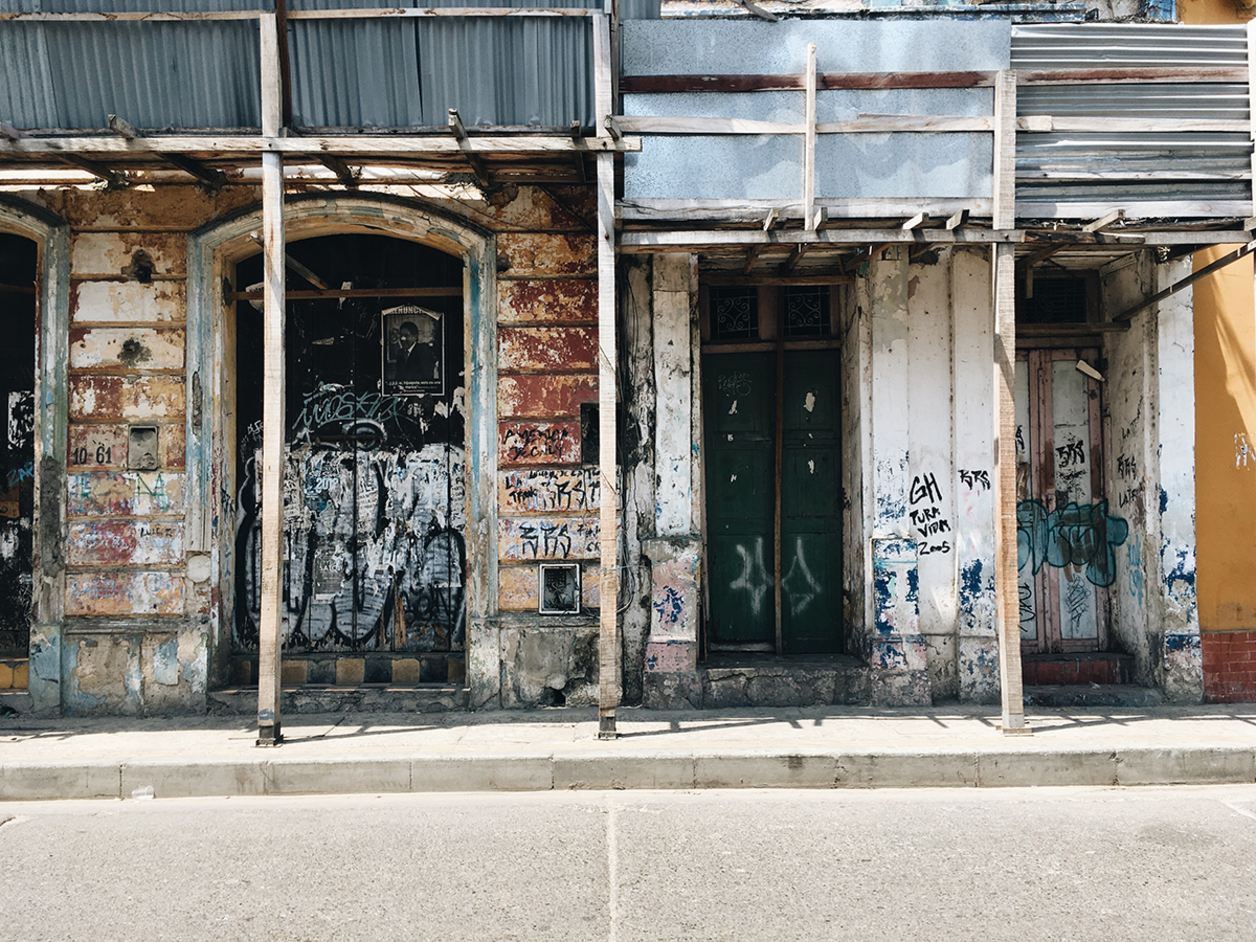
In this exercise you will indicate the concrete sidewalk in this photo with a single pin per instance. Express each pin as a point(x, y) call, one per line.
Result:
point(820, 747)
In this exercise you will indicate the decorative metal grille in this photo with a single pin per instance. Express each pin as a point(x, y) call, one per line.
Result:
point(734, 314)
point(807, 312)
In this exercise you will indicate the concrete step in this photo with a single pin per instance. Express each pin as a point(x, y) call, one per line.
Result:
point(1076, 669)
point(360, 698)
point(1091, 695)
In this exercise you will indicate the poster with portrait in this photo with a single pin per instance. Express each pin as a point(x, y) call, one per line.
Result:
point(414, 351)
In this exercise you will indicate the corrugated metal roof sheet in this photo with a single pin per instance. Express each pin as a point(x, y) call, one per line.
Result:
point(1105, 167)
point(533, 71)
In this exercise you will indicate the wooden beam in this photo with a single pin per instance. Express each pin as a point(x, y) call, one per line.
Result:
point(609, 678)
point(916, 221)
point(771, 218)
point(460, 133)
point(1050, 124)
point(112, 177)
point(1007, 593)
point(752, 7)
point(752, 256)
point(809, 140)
point(1241, 252)
point(1136, 75)
point(214, 179)
point(1004, 216)
point(270, 634)
point(1107, 219)
point(795, 257)
point(677, 239)
point(577, 132)
point(395, 145)
point(957, 220)
point(9, 132)
point(161, 16)
point(344, 173)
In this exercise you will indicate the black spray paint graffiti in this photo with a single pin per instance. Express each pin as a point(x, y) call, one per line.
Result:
point(975, 480)
point(927, 518)
point(1075, 535)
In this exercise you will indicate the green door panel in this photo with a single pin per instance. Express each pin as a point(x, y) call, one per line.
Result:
point(811, 503)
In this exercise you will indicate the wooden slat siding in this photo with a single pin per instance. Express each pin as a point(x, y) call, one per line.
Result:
point(608, 635)
point(269, 725)
point(662, 84)
point(1003, 257)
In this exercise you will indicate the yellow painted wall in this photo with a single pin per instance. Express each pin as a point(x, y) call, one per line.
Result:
point(1225, 417)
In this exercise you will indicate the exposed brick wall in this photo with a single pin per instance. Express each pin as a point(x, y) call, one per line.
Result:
point(1229, 666)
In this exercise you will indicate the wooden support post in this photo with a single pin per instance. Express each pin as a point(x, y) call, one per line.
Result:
point(269, 728)
point(608, 635)
point(809, 142)
point(1006, 582)
point(344, 173)
point(460, 132)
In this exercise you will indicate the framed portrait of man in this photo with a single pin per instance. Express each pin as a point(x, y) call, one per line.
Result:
point(414, 351)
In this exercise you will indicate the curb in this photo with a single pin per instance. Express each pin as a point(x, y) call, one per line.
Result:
point(183, 778)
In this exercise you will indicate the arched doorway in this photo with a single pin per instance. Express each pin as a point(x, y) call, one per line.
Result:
point(375, 436)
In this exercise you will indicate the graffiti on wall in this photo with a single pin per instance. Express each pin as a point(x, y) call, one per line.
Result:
point(1081, 536)
point(925, 498)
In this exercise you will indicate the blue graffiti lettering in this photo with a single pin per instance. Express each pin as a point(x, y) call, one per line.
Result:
point(1070, 536)
point(24, 473)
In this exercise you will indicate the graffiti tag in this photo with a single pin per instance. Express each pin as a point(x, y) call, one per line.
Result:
point(1073, 535)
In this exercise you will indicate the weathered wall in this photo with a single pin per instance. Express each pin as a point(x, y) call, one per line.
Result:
point(1150, 473)
point(929, 581)
point(548, 496)
point(137, 616)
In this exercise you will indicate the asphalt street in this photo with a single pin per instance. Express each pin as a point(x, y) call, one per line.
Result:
point(1164, 864)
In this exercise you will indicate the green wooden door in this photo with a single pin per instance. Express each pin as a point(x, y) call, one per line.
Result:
point(739, 418)
point(742, 434)
point(811, 503)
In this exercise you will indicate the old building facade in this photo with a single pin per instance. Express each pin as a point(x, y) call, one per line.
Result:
point(703, 373)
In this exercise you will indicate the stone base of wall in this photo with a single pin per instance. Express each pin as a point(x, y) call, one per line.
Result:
point(312, 698)
point(770, 683)
point(899, 688)
point(1229, 660)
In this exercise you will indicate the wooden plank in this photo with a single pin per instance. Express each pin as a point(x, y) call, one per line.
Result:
point(1101, 124)
point(956, 220)
point(269, 721)
point(1004, 216)
point(608, 629)
point(460, 134)
point(96, 169)
point(795, 257)
point(657, 241)
point(734, 210)
point(154, 16)
point(916, 221)
point(312, 146)
point(215, 179)
point(1136, 75)
point(654, 84)
point(1007, 591)
point(1107, 219)
point(809, 147)
point(752, 256)
point(906, 123)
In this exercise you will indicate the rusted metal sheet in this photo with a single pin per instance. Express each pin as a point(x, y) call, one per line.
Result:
point(98, 446)
point(517, 588)
point(127, 348)
point(547, 348)
point(127, 397)
point(124, 593)
point(114, 301)
point(538, 443)
point(125, 493)
point(565, 300)
point(521, 539)
point(545, 490)
point(114, 253)
point(544, 394)
point(530, 253)
point(124, 543)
